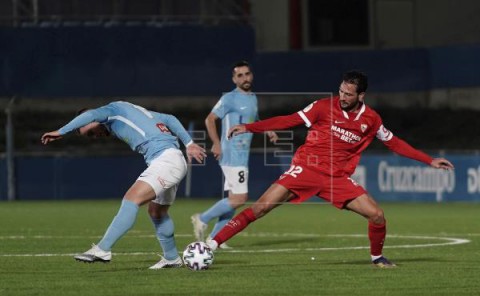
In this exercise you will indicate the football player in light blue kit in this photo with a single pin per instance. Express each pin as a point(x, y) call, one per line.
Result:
point(150, 134)
point(235, 107)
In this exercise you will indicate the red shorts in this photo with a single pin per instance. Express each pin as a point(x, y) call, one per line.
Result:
point(305, 183)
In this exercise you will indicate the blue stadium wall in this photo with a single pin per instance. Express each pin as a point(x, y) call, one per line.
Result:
point(387, 177)
point(195, 60)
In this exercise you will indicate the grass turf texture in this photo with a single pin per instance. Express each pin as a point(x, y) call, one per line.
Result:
point(291, 235)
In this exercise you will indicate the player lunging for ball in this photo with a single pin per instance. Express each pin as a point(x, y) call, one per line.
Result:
point(150, 134)
point(340, 128)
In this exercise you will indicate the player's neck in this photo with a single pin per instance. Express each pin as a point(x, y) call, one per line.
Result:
point(244, 91)
point(357, 108)
point(354, 109)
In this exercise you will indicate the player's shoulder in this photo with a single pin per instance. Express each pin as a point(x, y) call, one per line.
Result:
point(370, 116)
point(225, 100)
point(119, 105)
point(111, 107)
point(320, 103)
point(327, 100)
point(369, 111)
point(229, 95)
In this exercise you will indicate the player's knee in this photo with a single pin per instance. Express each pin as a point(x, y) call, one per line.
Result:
point(156, 213)
point(262, 209)
point(377, 217)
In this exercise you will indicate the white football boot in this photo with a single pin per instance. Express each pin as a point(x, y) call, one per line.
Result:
point(164, 263)
point(199, 227)
point(94, 254)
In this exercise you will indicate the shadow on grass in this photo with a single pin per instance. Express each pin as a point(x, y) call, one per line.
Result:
point(397, 261)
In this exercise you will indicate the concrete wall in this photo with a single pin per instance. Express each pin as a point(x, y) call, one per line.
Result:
point(447, 22)
point(395, 23)
point(271, 24)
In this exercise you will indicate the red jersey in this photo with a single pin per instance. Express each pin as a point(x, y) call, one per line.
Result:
point(336, 138)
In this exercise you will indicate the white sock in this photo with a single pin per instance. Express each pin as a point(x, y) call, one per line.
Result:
point(212, 244)
point(376, 257)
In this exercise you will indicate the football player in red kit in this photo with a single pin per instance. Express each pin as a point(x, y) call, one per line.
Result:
point(340, 128)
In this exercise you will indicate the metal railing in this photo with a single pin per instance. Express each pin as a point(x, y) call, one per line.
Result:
point(166, 12)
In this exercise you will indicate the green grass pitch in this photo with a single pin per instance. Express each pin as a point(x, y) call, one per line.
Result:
point(308, 249)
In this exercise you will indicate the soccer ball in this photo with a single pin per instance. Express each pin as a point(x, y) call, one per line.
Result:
point(198, 256)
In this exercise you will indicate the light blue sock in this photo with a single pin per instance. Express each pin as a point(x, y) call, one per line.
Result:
point(165, 229)
point(222, 220)
point(123, 221)
point(220, 208)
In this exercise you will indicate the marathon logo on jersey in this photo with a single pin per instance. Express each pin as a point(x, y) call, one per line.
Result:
point(345, 135)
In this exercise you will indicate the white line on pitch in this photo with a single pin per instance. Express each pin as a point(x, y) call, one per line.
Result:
point(447, 242)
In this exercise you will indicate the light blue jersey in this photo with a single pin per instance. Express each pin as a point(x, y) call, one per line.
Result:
point(145, 131)
point(234, 108)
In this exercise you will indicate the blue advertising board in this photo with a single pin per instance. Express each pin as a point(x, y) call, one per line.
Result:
point(386, 177)
point(395, 178)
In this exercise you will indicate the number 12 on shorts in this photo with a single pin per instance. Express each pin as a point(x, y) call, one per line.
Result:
point(294, 170)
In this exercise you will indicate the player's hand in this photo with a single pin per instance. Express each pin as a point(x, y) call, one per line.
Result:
point(441, 163)
point(273, 137)
point(236, 130)
point(50, 137)
point(217, 150)
point(197, 152)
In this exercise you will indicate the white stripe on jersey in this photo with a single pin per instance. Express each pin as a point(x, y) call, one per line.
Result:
point(362, 109)
point(304, 117)
point(140, 108)
point(127, 122)
point(360, 112)
point(227, 123)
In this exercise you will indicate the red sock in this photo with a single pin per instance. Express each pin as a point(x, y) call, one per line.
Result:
point(376, 234)
point(234, 226)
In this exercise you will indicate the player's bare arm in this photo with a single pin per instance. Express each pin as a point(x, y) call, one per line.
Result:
point(210, 123)
point(197, 152)
point(441, 163)
point(50, 137)
point(236, 130)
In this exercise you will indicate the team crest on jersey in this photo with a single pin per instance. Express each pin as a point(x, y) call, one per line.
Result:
point(363, 127)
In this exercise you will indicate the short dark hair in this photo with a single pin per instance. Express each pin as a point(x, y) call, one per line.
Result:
point(358, 78)
point(242, 63)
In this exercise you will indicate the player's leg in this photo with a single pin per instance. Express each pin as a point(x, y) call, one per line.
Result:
point(165, 229)
point(236, 180)
point(224, 217)
point(236, 183)
point(233, 202)
point(273, 197)
point(138, 194)
point(165, 173)
point(377, 231)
